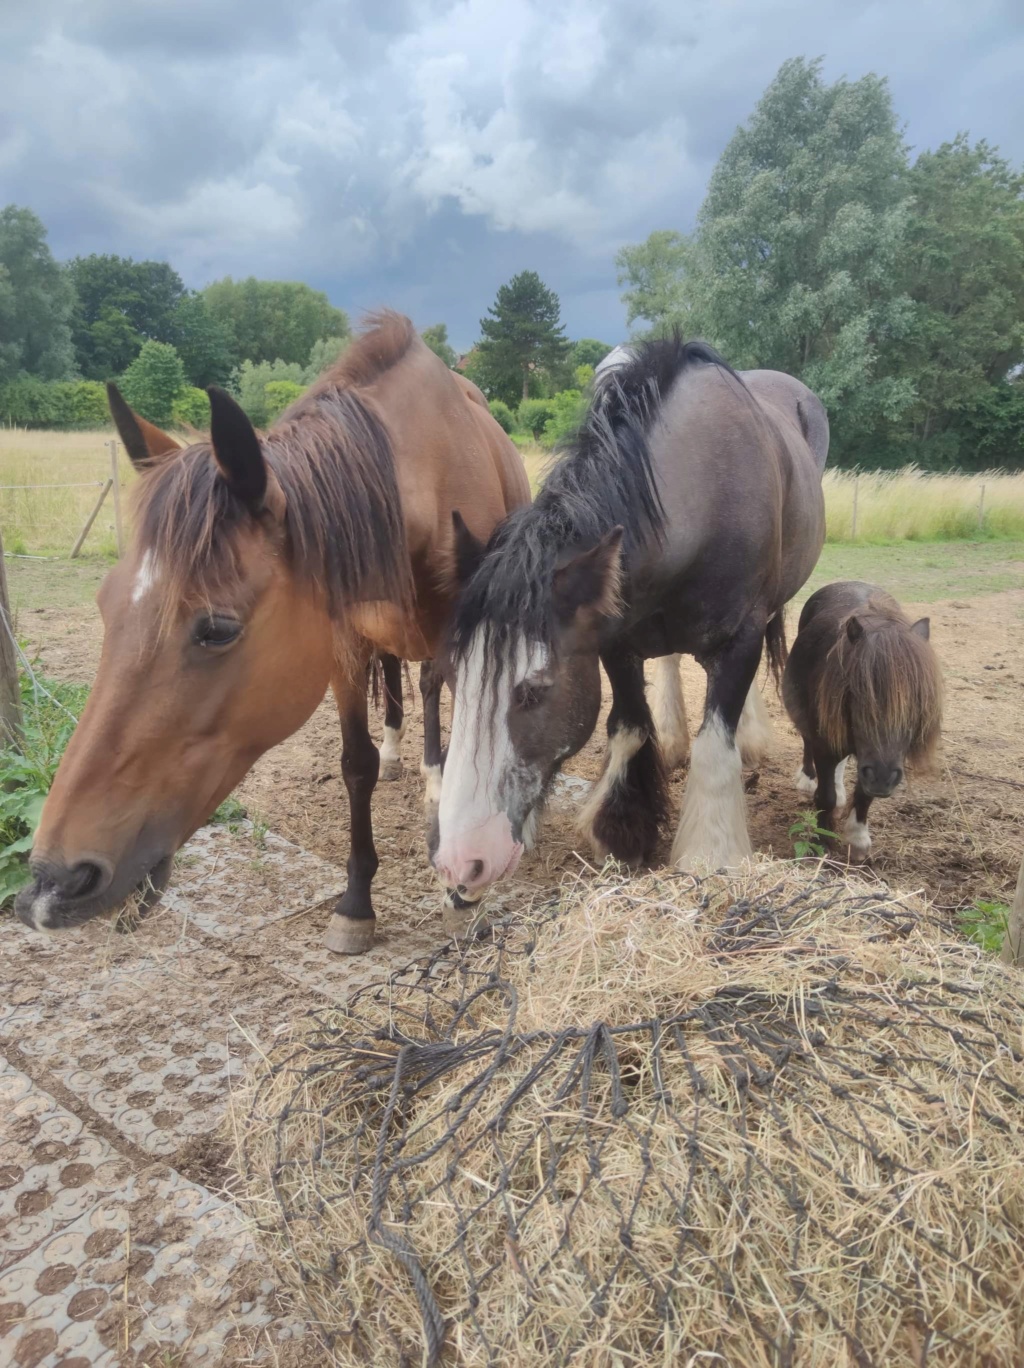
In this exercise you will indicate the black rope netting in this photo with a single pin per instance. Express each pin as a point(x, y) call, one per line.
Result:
point(773, 1173)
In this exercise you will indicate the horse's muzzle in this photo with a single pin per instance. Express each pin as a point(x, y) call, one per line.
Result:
point(61, 896)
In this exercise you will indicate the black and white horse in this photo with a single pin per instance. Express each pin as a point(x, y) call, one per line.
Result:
point(685, 514)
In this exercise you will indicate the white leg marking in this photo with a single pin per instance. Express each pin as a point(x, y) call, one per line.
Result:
point(432, 780)
point(531, 828)
point(145, 579)
point(856, 834)
point(391, 749)
point(668, 707)
point(621, 749)
point(712, 829)
point(841, 784)
point(803, 783)
point(754, 733)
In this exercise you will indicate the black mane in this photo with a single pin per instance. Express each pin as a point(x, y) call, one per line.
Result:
point(602, 479)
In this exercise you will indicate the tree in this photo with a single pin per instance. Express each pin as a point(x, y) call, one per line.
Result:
point(274, 319)
point(251, 381)
point(655, 272)
point(324, 352)
point(588, 352)
point(36, 301)
point(965, 272)
point(154, 381)
point(798, 258)
point(120, 304)
point(206, 347)
point(522, 336)
point(436, 338)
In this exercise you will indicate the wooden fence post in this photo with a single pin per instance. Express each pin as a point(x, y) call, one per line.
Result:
point(91, 519)
point(117, 497)
point(981, 509)
point(856, 491)
point(1013, 942)
point(10, 692)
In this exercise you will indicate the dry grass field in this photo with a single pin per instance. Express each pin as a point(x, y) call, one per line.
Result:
point(903, 505)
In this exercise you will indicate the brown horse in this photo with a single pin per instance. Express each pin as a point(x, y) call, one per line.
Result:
point(263, 569)
point(861, 680)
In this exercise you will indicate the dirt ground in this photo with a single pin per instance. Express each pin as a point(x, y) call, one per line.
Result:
point(121, 1052)
point(956, 834)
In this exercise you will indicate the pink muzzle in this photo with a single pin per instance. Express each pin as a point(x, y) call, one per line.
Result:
point(471, 861)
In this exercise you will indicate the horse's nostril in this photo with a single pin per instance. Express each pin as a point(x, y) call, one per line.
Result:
point(85, 879)
point(475, 870)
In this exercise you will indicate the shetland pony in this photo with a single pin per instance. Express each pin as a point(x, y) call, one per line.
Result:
point(861, 680)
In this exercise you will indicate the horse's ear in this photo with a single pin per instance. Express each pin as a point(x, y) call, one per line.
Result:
point(591, 580)
point(922, 628)
point(143, 441)
point(854, 628)
point(236, 449)
point(469, 550)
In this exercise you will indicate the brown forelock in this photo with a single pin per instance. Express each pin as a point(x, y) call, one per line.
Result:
point(886, 683)
point(343, 531)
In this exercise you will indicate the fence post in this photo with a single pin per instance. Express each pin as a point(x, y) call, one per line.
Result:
point(856, 491)
point(10, 693)
point(117, 497)
point(1013, 943)
point(981, 509)
point(91, 519)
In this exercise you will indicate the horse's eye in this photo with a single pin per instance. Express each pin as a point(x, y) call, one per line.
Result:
point(529, 695)
point(216, 630)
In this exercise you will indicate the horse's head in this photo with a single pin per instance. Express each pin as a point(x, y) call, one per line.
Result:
point(527, 697)
point(893, 696)
point(213, 651)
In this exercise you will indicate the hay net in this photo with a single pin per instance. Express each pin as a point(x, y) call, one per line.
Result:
point(775, 1119)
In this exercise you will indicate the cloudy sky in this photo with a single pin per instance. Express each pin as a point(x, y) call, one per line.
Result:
point(418, 152)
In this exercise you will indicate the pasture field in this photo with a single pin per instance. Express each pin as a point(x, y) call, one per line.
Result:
point(898, 506)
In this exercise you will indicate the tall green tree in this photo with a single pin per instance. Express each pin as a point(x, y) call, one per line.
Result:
point(587, 352)
point(274, 320)
point(154, 381)
point(654, 273)
point(205, 345)
point(965, 271)
point(436, 338)
point(522, 336)
point(36, 301)
point(800, 248)
point(324, 352)
point(120, 304)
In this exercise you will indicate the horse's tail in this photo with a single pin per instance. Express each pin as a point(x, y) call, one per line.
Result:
point(775, 646)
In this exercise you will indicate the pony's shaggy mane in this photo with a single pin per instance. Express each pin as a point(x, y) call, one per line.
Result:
point(886, 683)
point(602, 479)
point(330, 452)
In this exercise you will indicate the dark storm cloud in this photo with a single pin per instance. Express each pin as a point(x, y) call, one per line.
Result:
point(417, 152)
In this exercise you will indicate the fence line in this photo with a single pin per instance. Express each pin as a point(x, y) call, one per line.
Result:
point(82, 484)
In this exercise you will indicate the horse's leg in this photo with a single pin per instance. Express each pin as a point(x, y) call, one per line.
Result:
point(430, 766)
point(825, 796)
point(626, 808)
point(394, 718)
point(353, 924)
point(754, 732)
point(712, 829)
point(668, 708)
point(855, 832)
point(804, 779)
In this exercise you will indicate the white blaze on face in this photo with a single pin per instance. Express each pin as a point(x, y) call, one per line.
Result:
point(145, 578)
point(474, 828)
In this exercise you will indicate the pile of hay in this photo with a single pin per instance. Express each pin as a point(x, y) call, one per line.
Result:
point(775, 1119)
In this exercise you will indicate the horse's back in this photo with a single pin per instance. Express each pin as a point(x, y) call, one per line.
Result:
point(794, 404)
point(841, 598)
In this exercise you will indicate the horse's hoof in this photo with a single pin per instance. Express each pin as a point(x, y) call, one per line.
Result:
point(390, 770)
point(347, 936)
point(460, 917)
